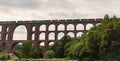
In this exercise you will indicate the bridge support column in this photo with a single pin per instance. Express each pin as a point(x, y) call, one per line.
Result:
point(85, 28)
point(36, 44)
point(75, 33)
point(46, 41)
point(9, 47)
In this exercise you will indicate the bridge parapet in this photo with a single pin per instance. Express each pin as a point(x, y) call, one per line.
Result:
point(52, 21)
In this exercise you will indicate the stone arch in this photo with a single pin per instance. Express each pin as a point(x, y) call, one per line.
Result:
point(98, 24)
point(33, 36)
point(42, 28)
point(71, 34)
point(19, 43)
point(0, 28)
point(89, 26)
point(42, 36)
point(70, 27)
point(7, 29)
point(6, 36)
point(51, 43)
point(51, 27)
point(15, 45)
point(42, 46)
point(79, 34)
point(60, 35)
point(51, 36)
point(20, 33)
point(33, 28)
point(79, 27)
point(61, 27)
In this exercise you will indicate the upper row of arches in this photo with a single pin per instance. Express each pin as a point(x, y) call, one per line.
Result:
point(61, 27)
point(21, 31)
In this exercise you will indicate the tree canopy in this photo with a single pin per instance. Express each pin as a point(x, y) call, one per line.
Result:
point(101, 42)
point(26, 50)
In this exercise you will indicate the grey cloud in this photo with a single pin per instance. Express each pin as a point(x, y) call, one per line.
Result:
point(44, 9)
point(20, 3)
point(58, 4)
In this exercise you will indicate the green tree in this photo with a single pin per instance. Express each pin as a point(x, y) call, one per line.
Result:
point(99, 43)
point(59, 46)
point(27, 50)
point(50, 54)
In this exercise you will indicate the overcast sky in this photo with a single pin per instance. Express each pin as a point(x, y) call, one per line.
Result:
point(12, 10)
point(57, 9)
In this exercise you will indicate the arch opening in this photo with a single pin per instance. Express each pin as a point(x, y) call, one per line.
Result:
point(60, 35)
point(42, 46)
point(51, 43)
point(79, 34)
point(98, 24)
point(89, 26)
point(0, 28)
point(20, 33)
point(33, 28)
point(51, 27)
point(80, 27)
point(33, 36)
point(70, 27)
point(42, 28)
point(16, 47)
point(7, 29)
point(71, 34)
point(6, 36)
point(61, 27)
point(42, 36)
point(51, 36)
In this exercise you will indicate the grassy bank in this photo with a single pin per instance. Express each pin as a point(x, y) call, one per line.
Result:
point(55, 59)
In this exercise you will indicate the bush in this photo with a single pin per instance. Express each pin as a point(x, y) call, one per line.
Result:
point(4, 56)
point(45, 59)
point(86, 59)
point(50, 54)
point(26, 50)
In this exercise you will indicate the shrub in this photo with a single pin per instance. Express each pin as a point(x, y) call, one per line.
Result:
point(50, 54)
point(4, 56)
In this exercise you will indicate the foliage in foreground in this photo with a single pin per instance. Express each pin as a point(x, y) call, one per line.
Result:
point(54, 59)
point(100, 43)
point(26, 50)
point(59, 47)
point(4, 56)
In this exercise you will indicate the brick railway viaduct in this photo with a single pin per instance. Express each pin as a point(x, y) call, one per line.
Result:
point(40, 31)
